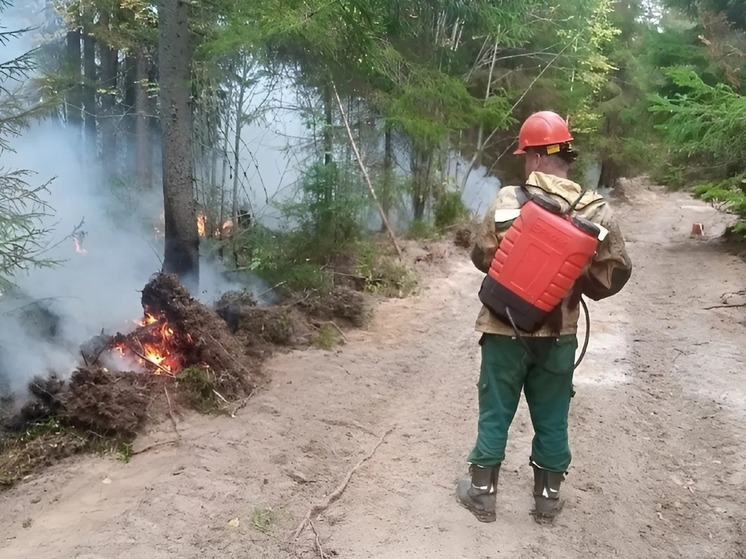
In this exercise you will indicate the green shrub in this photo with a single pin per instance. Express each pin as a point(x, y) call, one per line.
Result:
point(732, 194)
point(327, 338)
point(383, 273)
point(198, 387)
point(328, 212)
point(421, 229)
point(449, 209)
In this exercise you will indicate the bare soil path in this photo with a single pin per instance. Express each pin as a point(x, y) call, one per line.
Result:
point(658, 436)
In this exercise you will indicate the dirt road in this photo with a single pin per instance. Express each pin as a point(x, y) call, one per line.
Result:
point(658, 428)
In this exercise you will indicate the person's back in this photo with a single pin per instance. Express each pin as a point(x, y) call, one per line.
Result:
point(541, 363)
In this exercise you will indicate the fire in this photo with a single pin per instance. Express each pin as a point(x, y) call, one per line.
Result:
point(146, 320)
point(164, 361)
point(201, 224)
point(153, 345)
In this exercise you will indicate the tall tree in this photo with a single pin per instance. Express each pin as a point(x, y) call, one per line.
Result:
point(702, 110)
point(108, 122)
point(181, 235)
point(75, 93)
point(22, 207)
point(143, 151)
point(89, 90)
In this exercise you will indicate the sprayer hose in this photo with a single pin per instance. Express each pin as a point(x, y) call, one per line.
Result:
point(587, 339)
point(530, 353)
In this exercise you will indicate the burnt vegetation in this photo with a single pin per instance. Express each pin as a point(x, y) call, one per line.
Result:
point(184, 354)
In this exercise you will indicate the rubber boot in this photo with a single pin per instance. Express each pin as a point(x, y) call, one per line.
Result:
point(479, 494)
point(547, 502)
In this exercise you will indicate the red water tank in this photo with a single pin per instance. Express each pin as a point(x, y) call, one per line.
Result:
point(537, 263)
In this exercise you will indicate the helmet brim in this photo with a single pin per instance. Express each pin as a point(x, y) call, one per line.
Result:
point(519, 151)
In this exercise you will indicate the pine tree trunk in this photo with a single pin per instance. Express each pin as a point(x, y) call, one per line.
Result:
point(143, 153)
point(129, 117)
point(224, 175)
point(181, 237)
point(109, 67)
point(329, 184)
point(237, 142)
point(421, 174)
point(75, 94)
point(388, 169)
point(89, 92)
point(329, 121)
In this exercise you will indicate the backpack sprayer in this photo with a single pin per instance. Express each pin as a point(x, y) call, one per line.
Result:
point(537, 263)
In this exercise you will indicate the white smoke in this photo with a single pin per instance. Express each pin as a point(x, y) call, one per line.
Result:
point(56, 309)
point(95, 286)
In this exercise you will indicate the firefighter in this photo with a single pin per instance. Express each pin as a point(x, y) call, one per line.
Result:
point(540, 363)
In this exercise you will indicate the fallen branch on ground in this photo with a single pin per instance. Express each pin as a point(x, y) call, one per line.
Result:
point(171, 411)
point(348, 423)
point(155, 445)
point(317, 509)
point(242, 404)
point(226, 402)
point(724, 306)
point(317, 540)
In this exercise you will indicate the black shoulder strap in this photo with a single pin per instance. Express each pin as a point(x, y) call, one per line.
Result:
point(523, 195)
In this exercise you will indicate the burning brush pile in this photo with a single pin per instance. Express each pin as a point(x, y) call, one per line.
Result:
point(177, 332)
point(182, 354)
point(180, 340)
point(180, 351)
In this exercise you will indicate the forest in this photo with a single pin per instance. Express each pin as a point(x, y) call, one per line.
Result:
point(423, 96)
point(238, 307)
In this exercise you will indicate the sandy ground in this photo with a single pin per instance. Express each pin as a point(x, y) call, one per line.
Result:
point(657, 429)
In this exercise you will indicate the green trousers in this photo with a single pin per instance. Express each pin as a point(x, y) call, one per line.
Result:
point(507, 368)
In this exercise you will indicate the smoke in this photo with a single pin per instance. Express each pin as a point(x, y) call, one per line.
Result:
point(106, 241)
point(57, 308)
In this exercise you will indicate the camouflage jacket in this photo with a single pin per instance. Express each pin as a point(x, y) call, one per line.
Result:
point(608, 272)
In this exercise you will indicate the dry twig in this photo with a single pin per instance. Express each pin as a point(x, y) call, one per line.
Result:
point(171, 411)
point(271, 288)
point(155, 445)
point(348, 423)
point(104, 347)
point(236, 361)
point(320, 549)
point(242, 404)
point(318, 508)
point(725, 306)
point(219, 395)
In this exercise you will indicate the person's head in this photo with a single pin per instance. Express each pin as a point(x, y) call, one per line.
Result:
point(546, 144)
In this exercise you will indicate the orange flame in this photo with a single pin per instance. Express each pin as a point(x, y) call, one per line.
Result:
point(146, 320)
point(201, 224)
point(158, 351)
point(165, 362)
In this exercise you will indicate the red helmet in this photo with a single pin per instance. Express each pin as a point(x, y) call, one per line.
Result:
point(544, 128)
